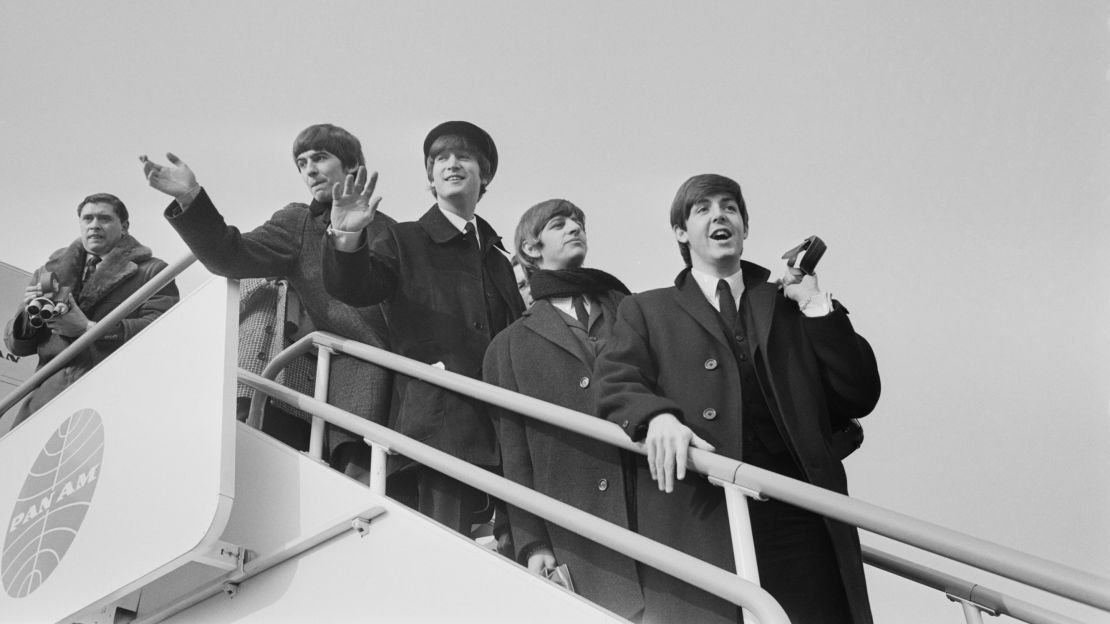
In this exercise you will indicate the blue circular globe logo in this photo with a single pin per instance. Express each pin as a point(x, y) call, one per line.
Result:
point(52, 504)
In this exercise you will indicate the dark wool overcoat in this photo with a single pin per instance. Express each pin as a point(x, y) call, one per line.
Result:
point(540, 356)
point(290, 245)
point(121, 272)
point(669, 353)
point(430, 283)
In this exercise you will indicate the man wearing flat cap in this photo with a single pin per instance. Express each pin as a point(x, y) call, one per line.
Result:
point(447, 288)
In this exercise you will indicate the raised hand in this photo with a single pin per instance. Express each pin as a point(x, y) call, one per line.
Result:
point(175, 179)
point(353, 203)
point(798, 286)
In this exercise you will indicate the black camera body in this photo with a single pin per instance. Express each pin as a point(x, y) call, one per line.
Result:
point(46, 306)
point(806, 255)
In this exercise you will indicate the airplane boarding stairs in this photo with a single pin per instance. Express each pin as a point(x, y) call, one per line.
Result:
point(136, 496)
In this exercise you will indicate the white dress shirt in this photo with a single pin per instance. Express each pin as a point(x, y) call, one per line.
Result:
point(818, 305)
point(460, 223)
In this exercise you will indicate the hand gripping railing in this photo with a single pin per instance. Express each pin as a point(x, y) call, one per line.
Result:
point(137, 298)
point(1034, 571)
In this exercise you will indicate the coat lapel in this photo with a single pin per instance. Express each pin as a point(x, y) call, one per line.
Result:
point(548, 322)
point(761, 296)
point(117, 266)
point(690, 298)
point(491, 249)
point(438, 228)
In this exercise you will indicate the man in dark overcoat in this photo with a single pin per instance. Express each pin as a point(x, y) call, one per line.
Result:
point(761, 372)
point(549, 354)
point(94, 274)
point(447, 288)
point(290, 245)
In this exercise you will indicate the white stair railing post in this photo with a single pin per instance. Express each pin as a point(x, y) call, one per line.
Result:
point(740, 530)
point(379, 456)
point(323, 373)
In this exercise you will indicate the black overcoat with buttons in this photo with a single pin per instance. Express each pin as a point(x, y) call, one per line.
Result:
point(433, 292)
point(669, 353)
point(541, 357)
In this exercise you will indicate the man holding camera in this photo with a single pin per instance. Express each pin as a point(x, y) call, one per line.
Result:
point(76, 288)
point(759, 371)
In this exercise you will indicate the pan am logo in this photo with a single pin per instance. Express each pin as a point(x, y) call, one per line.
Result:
point(52, 504)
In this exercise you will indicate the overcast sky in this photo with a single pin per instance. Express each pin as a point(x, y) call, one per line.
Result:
point(954, 156)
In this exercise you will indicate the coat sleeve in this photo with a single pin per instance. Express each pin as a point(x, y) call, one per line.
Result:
point(270, 250)
point(629, 374)
point(849, 372)
point(529, 531)
point(144, 315)
point(366, 276)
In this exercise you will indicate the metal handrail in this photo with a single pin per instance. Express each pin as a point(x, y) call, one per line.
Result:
point(1050, 576)
point(963, 590)
point(137, 298)
point(669, 560)
point(1064, 581)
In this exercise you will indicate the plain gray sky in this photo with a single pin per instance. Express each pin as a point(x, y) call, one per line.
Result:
point(954, 156)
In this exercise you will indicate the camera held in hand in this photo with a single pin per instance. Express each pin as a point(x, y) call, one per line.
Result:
point(47, 305)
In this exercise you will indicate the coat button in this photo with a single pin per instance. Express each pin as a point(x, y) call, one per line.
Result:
point(739, 338)
point(593, 338)
point(741, 356)
point(261, 356)
point(477, 325)
point(710, 364)
point(584, 383)
point(709, 413)
point(624, 425)
point(603, 484)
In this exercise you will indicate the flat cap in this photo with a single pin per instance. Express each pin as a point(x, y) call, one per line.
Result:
point(476, 135)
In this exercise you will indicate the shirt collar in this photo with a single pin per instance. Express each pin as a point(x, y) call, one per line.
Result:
point(708, 285)
point(457, 221)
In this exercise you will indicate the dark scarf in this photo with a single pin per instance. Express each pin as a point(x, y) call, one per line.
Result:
point(570, 282)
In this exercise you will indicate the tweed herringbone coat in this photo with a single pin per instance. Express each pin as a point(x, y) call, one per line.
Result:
point(290, 245)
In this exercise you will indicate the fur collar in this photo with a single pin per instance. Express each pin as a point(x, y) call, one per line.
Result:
point(118, 265)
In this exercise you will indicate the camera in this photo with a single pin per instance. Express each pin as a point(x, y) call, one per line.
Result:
point(47, 305)
point(40, 310)
point(806, 255)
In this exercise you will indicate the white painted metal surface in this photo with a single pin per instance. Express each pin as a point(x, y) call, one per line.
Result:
point(163, 482)
point(406, 568)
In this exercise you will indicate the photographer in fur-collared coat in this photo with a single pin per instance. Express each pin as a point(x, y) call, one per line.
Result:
point(94, 274)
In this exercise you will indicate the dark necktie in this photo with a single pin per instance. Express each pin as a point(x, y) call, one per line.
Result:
point(579, 304)
point(90, 267)
point(727, 303)
point(472, 235)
